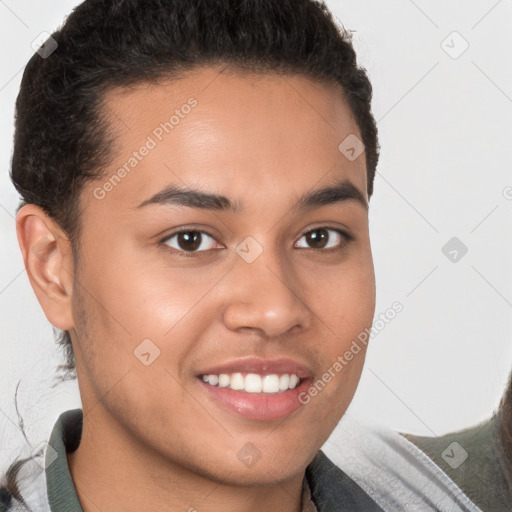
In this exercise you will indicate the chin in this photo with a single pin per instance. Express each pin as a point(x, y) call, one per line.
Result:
point(262, 474)
point(248, 468)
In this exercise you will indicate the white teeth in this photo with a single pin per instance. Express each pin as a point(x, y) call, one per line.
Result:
point(284, 380)
point(294, 380)
point(236, 381)
point(254, 383)
point(270, 384)
point(223, 380)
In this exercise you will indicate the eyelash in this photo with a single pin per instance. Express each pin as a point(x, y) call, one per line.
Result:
point(191, 254)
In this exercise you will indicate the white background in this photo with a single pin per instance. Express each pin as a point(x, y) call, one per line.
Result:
point(445, 131)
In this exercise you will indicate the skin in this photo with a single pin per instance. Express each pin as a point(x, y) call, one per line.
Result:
point(261, 140)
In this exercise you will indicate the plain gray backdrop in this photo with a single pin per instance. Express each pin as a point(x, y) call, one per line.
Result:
point(443, 101)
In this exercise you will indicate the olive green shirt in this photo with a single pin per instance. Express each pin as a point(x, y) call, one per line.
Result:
point(473, 459)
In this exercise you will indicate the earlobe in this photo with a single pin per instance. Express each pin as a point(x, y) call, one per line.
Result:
point(48, 262)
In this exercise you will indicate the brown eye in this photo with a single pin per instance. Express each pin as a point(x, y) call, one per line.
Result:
point(324, 238)
point(318, 238)
point(190, 241)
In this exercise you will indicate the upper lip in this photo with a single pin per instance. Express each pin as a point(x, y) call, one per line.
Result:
point(262, 366)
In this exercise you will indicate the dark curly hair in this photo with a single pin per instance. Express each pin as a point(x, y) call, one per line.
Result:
point(62, 139)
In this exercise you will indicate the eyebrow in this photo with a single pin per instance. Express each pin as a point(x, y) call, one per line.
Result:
point(339, 192)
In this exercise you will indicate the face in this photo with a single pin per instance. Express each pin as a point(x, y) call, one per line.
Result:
point(213, 276)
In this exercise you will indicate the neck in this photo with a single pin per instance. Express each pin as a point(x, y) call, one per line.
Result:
point(113, 471)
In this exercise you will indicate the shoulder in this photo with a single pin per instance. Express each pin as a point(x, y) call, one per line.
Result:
point(24, 486)
point(333, 490)
point(392, 470)
point(473, 458)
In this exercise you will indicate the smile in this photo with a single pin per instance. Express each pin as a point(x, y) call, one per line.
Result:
point(253, 382)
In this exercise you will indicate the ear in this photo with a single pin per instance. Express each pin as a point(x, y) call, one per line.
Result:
point(49, 263)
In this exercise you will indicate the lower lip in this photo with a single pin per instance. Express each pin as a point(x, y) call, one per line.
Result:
point(257, 406)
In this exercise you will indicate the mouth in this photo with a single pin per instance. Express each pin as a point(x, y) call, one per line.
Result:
point(254, 383)
point(256, 389)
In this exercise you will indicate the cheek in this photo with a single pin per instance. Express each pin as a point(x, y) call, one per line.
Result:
point(140, 325)
point(343, 297)
point(345, 307)
point(330, 395)
point(128, 363)
point(138, 297)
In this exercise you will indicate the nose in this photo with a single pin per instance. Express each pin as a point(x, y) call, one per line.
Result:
point(265, 295)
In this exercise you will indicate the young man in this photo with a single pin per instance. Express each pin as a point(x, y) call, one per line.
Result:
point(195, 179)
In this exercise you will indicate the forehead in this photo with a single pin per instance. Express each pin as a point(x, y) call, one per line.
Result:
point(261, 136)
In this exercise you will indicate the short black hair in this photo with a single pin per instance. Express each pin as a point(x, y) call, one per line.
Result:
point(61, 138)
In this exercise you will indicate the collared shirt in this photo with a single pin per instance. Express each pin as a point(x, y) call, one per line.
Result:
point(47, 485)
point(369, 469)
point(474, 458)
